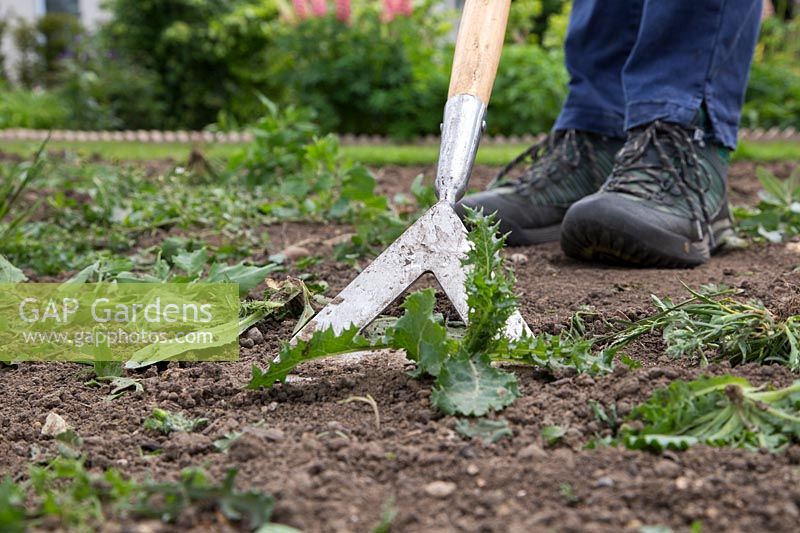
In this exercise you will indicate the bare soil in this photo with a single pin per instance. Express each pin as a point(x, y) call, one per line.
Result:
point(331, 469)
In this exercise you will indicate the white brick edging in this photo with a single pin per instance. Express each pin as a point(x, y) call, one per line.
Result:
point(239, 137)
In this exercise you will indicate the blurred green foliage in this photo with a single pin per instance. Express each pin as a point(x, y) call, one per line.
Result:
point(528, 91)
point(174, 40)
point(189, 64)
point(23, 108)
point(773, 93)
point(3, 31)
point(368, 76)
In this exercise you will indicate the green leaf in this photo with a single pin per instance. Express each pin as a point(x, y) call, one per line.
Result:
point(417, 332)
point(191, 262)
point(104, 369)
point(425, 195)
point(774, 189)
point(658, 443)
point(12, 507)
point(167, 422)
point(717, 411)
point(552, 434)
point(278, 297)
point(247, 277)
point(222, 335)
point(168, 500)
point(489, 431)
point(473, 387)
point(324, 343)
point(358, 184)
point(86, 273)
point(119, 385)
point(9, 273)
point(276, 528)
point(489, 286)
point(223, 444)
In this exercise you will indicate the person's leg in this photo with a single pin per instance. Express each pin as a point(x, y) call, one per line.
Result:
point(577, 156)
point(665, 203)
point(600, 38)
point(689, 53)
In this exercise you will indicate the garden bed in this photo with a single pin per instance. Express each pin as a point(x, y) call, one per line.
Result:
point(331, 469)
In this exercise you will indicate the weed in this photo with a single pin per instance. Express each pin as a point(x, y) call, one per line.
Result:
point(466, 382)
point(280, 299)
point(388, 515)
point(712, 321)
point(568, 493)
point(607, 418)
point(487, 430)
point(119, 385)
point(717, 411)
point(12, 185)
point(552, 434)
point(9, 273)
point(569, 349)
point(112, 372)
point(776, 218)
point(166, 422)
point(79, 500)
point(223, 444)
point(174, 264)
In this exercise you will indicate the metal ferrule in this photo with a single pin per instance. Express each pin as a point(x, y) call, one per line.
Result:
point(461, 133)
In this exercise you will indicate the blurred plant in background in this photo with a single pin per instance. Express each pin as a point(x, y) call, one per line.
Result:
point(3, 31)
point(367, 67)
point(24, 108)
point(368, 75)
point(773, 93)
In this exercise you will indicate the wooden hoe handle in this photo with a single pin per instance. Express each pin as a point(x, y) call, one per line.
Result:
point(478, 47)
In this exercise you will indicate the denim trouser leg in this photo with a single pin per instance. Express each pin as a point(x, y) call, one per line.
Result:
point(635, 61)
point(600, 37)
point(691, 52)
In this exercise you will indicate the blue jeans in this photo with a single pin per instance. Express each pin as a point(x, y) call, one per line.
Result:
point(635, 61)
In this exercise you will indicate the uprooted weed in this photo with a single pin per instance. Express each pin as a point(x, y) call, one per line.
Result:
point(715, 411)
point(712, 325)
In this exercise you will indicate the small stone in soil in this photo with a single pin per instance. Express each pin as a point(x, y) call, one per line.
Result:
point(54, 425)
point(519, 259)
point(440, 489)
point(531, 451)
point(255, 335)
point(604, 481)
point(246, 342)
point(293, 252)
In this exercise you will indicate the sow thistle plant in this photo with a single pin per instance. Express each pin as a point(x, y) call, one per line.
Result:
point(717, 411)
point(465, 380)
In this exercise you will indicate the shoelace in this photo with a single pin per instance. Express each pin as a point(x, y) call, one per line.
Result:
point(563, 146)
point(677, 158)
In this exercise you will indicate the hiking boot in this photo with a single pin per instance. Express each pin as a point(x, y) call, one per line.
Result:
point(566, 166)
point(665, 203)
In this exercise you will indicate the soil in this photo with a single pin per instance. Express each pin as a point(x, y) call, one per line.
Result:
point(331, 469)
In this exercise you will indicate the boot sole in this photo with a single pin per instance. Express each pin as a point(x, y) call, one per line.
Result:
point(644, 246)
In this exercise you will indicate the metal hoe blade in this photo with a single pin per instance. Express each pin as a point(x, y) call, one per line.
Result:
point(436, 243)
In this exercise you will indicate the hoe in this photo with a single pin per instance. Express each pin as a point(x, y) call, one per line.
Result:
point(437, 242)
